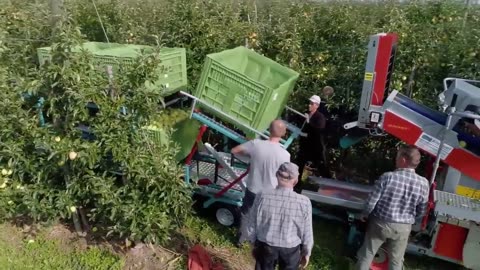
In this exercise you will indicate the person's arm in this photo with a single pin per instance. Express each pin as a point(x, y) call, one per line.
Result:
point(375, 195)
point(243, 149)
point(422, 204)
point(307, 237)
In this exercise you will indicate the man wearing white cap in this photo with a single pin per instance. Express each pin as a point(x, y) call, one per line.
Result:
point(311, 147)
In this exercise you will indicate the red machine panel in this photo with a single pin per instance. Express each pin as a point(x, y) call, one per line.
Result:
point(459, 158)
point(450, 241)
point(383, 67)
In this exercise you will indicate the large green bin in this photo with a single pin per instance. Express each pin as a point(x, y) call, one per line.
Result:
point(248, 87)
point(172, 71)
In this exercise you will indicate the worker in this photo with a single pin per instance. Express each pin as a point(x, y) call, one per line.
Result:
point(327, 93)
point(311, 147)
point(473, 127)
point(397, 201)
point(280, 224)
point(265, 158)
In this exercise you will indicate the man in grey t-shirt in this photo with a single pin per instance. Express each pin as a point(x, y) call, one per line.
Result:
point(266, 156)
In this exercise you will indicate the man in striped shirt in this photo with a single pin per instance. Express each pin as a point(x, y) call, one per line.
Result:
point(280, 224)
point(398, 199)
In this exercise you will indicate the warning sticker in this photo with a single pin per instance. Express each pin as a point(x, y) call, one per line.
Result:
point(368, 76)
point(431, 145)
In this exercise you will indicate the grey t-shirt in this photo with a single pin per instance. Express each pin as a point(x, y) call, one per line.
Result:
point(265, 159)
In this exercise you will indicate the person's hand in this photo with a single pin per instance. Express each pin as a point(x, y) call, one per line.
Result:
point(364, 218)
point(307, 117)
point(304, 262)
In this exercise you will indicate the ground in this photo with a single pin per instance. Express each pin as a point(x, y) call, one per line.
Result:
point(57, 247)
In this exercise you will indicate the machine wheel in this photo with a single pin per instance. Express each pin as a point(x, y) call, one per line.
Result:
point(227, 215)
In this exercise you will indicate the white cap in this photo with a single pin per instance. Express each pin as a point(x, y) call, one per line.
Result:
point(315, 99)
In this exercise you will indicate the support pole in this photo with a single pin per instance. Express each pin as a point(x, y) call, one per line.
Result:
point(56, 14)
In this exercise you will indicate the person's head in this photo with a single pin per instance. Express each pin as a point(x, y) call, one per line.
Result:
point(472, 125)
point(278, 128)
point(314, 103)
point(287, 175)
point(408, 157)
point(327, 91)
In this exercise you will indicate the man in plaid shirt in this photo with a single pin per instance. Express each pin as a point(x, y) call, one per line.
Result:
point(280, 224)
point(399, 198)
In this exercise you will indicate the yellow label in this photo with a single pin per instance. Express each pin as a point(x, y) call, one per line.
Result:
point(368, 76)
point(468, 192)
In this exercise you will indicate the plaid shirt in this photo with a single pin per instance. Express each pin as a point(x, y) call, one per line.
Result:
point(282, 218)
point(400, 196)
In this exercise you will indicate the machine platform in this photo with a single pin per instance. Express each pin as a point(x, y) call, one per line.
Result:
point(456, 206)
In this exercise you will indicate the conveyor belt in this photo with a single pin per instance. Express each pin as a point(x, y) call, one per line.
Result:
point(336, 193)
point(440, 118)
point(456, 206)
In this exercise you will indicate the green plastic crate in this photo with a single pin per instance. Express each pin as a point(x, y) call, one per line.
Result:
point(172, 71)
point(250, 88)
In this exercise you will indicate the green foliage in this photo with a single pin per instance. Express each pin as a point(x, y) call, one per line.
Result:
point(56, 173)
point(325, 43)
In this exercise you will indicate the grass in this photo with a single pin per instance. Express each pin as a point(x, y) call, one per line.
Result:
point(41, 253)
point(327, 253)
point(39, 250)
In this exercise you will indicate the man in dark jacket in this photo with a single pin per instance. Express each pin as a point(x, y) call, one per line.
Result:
point(311, 147)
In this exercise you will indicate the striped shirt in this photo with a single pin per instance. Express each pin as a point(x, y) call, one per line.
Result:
point(400, 196)
point(282, 218)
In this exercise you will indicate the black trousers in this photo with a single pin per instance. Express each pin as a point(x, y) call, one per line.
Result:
point(267, 257)
point(247, 203)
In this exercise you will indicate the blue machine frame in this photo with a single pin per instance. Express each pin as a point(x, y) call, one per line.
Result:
point(228, 133)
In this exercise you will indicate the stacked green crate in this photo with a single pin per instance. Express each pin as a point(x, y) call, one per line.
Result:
point(248, 87)
point(172, 72)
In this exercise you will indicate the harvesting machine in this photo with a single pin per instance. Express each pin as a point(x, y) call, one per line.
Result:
point(239, 93)
point(450, 230)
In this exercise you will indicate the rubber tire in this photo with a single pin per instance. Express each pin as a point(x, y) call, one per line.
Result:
point(234, 210)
